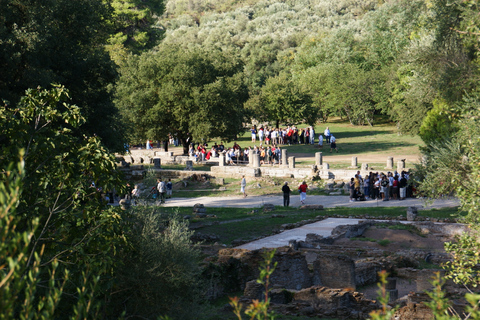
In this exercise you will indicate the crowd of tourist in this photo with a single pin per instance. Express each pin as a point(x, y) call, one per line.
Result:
point(236, 155)
point(269, 142)
point(381, 186)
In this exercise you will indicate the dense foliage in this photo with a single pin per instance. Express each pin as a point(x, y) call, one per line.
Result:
point(65, 252)
point(61, 42)
point(191, 94)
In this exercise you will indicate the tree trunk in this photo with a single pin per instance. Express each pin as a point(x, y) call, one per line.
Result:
point(277, 123)
point(185, 145)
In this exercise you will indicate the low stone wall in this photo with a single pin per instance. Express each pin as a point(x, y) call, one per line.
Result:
point(254, 169)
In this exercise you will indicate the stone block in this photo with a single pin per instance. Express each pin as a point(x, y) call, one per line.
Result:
point(334, 271)
point(412, 213)
point(268, 207)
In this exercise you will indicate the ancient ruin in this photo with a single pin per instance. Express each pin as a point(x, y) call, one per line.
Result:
point(336, 276)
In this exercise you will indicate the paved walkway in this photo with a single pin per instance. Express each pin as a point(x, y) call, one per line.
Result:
point(326, 201)
point(323, 228)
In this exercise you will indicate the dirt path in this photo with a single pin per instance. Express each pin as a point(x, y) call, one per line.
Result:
point(326, 201)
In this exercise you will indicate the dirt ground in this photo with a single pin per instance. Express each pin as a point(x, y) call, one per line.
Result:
point(399, 240)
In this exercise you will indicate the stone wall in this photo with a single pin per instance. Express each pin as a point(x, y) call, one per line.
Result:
point(334, 271)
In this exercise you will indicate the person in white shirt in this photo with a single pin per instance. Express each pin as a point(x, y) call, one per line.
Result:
point(243, 184)
point(320, 140)
point(333, 143)
point(326, 133)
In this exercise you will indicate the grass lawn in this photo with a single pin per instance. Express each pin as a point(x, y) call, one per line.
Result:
point(380, 139)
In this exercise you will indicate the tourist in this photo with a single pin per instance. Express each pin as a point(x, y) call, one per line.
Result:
point(395, 188)
point(351, 187)
point(376, 188)
point(286, 194)
point(384, 188)
point(390, 185)
point(260, 135)
point(135, 194)
point(366, 186)
point(312, 135)
point(278, 155)
point(161, 190)
point(267, 136)
point(326, 133)
point(358, 182)
point(274, 135)
point(320, 141)
point(169, 188)
point(333, 144)
point(243, 184)
point(254, 134)
point(303, 192)
point(402, 184)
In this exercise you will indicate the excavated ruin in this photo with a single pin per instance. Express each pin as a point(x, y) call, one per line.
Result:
point(336, 276)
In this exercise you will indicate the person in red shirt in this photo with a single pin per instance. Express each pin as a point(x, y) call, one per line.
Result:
point(303, 192)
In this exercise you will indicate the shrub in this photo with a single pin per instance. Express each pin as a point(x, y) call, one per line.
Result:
point(160, 275)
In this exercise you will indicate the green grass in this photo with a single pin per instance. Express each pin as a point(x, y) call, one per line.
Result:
point(248, 224)
point(384, 242)
point(380, 139)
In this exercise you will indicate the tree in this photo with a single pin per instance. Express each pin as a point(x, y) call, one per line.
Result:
point(61, 42)
point(75, 227)
point(133, 23)
point(192, 94)
point(281, 100)
point(438, 125)
point(354, 92)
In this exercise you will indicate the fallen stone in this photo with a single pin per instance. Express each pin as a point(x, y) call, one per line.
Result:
point(268, 207)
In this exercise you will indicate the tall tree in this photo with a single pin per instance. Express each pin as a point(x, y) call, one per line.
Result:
point(192, 94)
point(282, 100)
point(133, 22)
point(63, 42)
point(73, 223)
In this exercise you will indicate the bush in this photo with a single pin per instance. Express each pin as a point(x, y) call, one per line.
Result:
point(161, 273)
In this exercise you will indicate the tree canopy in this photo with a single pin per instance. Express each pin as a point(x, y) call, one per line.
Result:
point(191, 94)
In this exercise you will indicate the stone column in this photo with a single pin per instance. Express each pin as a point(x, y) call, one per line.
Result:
point(256, 160)
point(389, 163)
point(400, 165)
point(284, 157)
point(157, 163)
point(251, 155)
point(354, 162)
point(318, 158)
point(291, 162)
point(189, 165)
point(221, 160)
point(364, 166)
point(326, 166)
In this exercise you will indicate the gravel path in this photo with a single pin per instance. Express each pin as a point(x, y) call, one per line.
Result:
point(326, 201)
